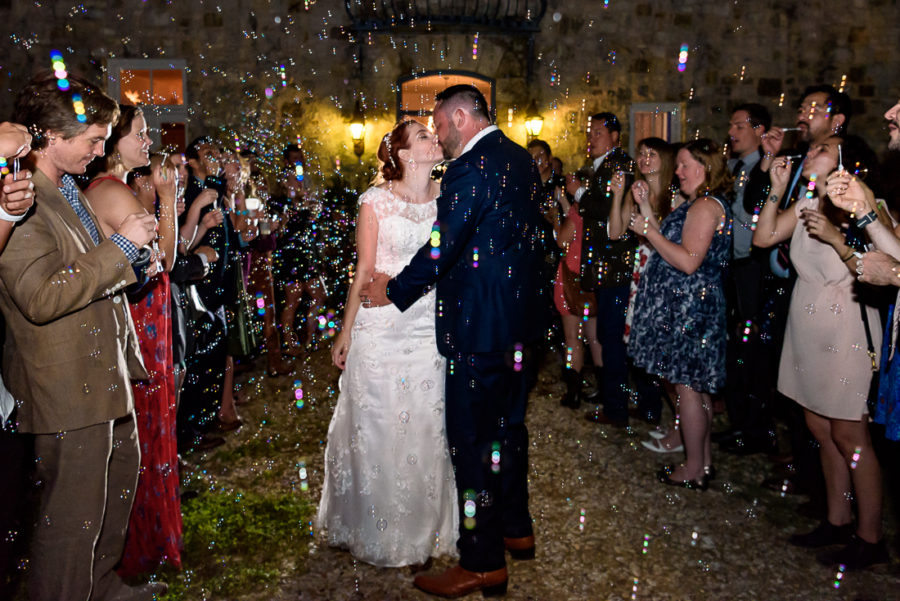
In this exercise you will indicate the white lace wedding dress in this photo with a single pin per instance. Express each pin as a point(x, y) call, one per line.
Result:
point(389, 494)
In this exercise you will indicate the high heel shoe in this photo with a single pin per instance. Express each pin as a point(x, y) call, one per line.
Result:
point(657, 434)
point(710, 471)
point(664, 475)
point(657, 446)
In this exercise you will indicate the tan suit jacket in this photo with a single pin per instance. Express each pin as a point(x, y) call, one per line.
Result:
point(71, 348)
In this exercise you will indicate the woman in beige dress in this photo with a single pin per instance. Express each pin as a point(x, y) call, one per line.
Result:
point(824, 364)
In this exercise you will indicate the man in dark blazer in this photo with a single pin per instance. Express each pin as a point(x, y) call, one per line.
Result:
point(606, 265)
point(71, 351)
point(487, 269)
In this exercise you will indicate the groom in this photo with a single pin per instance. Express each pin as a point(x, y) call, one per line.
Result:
point(487, 268)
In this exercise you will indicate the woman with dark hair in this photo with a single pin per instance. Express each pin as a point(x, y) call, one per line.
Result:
point(154, 530)
point(678, 331)
point(653, 184)
point(389, 494)
point(824, 366)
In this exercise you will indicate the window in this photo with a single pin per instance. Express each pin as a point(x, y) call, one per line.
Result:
point(662, 120)
point(415, 94)
point(159, 86)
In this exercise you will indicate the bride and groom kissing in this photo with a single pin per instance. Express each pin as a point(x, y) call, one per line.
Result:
point(427, 450)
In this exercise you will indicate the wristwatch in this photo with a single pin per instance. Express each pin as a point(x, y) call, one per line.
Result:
point(866, 219)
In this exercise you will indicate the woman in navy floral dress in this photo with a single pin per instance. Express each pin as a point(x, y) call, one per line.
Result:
point(678, 328)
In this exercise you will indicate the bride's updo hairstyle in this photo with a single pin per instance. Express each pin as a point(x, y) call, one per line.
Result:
point(391, 144)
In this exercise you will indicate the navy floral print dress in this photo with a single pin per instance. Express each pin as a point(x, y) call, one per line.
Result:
point(678, 328)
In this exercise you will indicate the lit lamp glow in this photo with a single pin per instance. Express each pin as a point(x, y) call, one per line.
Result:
point(358, 130)
point(533, 122)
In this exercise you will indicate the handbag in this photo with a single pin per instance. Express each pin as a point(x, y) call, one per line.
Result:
point(577, 300)
point(872, 399)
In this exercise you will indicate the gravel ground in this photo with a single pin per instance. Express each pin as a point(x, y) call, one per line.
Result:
point(605, 528)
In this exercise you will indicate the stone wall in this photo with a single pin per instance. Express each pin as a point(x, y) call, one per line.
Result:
point(589, 55)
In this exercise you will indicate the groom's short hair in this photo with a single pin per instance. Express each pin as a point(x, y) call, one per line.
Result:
point(469, 96)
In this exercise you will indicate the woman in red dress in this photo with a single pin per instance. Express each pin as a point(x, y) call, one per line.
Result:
point(154, 530)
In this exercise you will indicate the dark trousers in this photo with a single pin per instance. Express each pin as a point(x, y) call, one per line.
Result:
point(750, 370)
point(201, 395)
point(612, 304)
point(486, 401)
point(649, 392)
point(17, 455)
point(87, 479)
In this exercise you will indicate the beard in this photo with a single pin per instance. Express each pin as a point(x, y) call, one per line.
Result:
point(451, 145)
point(894, 143)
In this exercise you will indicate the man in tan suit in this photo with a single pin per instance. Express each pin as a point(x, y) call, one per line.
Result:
point(71, 350)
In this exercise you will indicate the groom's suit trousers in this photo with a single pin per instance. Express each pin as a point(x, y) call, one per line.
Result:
point(487, 394)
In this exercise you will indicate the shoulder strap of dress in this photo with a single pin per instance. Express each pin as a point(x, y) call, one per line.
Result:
point(719, 200)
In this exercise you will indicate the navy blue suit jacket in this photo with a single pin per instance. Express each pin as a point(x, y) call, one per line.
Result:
point(487, 267)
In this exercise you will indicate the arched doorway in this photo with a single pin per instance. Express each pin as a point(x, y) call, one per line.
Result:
point(415, 93)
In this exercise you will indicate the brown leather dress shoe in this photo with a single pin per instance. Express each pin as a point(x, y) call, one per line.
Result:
point(521, 547)
point(458, 581)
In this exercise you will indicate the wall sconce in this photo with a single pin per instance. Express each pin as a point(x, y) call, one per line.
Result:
point(358, 130)
point(533, 122)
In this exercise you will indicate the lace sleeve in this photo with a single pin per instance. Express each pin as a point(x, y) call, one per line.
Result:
point(376, 198)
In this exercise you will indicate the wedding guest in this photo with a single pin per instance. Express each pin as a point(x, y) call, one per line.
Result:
point(678, 330)
point(577, 309)
point(261, 281)
point(850, 193)
point(185, 267)
point(406, 511)
point(154, 529)
point(653, 183)
point(824, 364)
point(822, 112)
point(62, 287)
point(298, 259)
point(606, 264)
point(204, 385)
point(751, 370)
point(552, 202)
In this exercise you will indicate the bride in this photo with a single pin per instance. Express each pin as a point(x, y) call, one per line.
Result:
point(389, 494)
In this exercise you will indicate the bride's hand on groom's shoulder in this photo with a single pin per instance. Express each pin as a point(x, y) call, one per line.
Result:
point(340, 349)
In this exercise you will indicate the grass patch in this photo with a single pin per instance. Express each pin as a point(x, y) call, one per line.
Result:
point(238, 542)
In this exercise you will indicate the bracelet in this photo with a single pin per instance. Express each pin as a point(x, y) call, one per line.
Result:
point(646, 225)
point(11, 218)
point(866, 219)
point(849, 256)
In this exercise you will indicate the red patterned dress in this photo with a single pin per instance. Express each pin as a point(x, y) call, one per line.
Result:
point(154, 530)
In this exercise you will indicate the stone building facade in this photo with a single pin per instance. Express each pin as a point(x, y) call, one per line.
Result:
point(273, 71)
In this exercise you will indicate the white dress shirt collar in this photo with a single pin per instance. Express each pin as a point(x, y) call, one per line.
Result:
point(477, 137)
